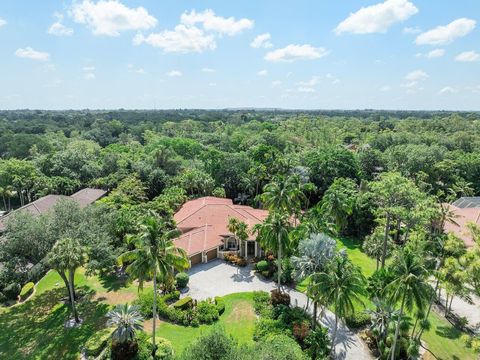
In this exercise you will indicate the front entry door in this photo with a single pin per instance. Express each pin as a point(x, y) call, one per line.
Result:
point(250, 248)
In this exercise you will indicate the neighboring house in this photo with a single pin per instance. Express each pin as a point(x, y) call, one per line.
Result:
point(42, 205)
point(464, 210)
point(204, 226)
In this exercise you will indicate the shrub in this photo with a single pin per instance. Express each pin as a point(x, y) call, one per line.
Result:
point(207, 312)
point(289, 316)
point(300, 331)
point(278, 347)
point(164, 348)
point(358, 320)
point(27, 290)
point(261, 303)
point(279, 298)
point(182, 280)
point(214, 345)
point(318, 343)
point(145, 304)
point(97, 342)
point(220, 303)
point(12, 291)
point(184, 303)
point(3, 298)
point(262, 266)
point(266, 274)
point(171, 297)
point(265, 327)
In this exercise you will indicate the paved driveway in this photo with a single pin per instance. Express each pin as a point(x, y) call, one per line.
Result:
point(217, 278)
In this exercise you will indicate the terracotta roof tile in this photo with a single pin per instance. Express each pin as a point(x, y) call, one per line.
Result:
point(463, 216)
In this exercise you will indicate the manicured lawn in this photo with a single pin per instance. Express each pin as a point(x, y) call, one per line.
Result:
point(35, 329)
point(237, 320)
point(442, 339)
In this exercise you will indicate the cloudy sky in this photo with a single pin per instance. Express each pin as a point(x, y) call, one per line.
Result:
point(395, 54)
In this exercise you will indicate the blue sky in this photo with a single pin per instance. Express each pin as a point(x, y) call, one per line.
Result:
point(393, 54)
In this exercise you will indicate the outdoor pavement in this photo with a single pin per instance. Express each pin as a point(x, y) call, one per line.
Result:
point(462, 308)
point(218, 278)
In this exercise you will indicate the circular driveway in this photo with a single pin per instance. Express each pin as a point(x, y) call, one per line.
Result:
point(218, 278)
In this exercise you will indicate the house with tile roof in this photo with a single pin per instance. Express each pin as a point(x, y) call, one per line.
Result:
point(465, 210)
point(44, 204)
point(205, 236)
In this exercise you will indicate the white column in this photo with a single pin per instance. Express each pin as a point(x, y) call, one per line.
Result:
point(246, 249)
point(256, 248)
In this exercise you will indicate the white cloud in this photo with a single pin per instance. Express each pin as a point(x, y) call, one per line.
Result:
point(385, 88)
point(29, 53)
point(448, 90)
point(304, 89)
point(183, 39)
point(90, 76)
point(276, 83)
point(468, 56)
point(294, 52)
point(447, 33)
point(211, 22)
point(3, 22)
point(208, 70)
point(174, 73)
point(262, 41)
point(212, 84)
point(110, 17)
point(88, 68)
point(377, 18)
point(262, 72)
point(435, 53)
point(417, 75)
point(310, 83)
point(58, 29)
point(412, 30)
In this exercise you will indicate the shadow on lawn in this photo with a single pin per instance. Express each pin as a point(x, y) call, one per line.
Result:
point(448, 332)
point(113, 282)
point(36, 328)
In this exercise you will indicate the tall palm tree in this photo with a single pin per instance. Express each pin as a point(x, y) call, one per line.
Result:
point(67, 255)
point(342, 284)
point(274, 235)
point(155, 255)
point(409, 286)
point(239, 230)
point(284, 194)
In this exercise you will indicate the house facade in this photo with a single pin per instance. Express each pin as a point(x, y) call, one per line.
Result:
point(205, 236)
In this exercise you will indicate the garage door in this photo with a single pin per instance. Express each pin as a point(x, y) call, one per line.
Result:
point(196, 259)
point(212, 254)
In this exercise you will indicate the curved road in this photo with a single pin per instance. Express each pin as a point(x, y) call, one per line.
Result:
point(218, 278)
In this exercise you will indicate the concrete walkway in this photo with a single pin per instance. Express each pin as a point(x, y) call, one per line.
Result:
point(462, 308)
point(218, 278)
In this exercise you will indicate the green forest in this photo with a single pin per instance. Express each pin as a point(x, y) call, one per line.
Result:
point(356, 223)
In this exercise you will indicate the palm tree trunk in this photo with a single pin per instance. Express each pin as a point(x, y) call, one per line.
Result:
point(334, 335)
point(154, 350)
point(71, 274)
point(450, 306)
point(446, 305)
point(4, 202)
point(279, 263)
point(385, 240)
point(65, 280)
point(434, 293)
point(397, 328)
point(314, 324)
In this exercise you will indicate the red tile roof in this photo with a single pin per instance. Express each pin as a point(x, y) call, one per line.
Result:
point(204, 222)
point(42, 205)
point(463, 216)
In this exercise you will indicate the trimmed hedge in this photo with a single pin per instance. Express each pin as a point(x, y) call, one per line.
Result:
point(262, 266)
point(220, 303)
point(182, 279)
point(184, 303)
point(26, 291)
point(97, 342)
point(358, 320)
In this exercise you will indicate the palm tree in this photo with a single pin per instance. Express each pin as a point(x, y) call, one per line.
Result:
point(409, 286)
point(239, 230)
point(155, 255)
point(274, 236)
point(67, 255)
point(342, 284)
point(284, 194)
point(339, 200)
point(314, 253)
point(127, 320)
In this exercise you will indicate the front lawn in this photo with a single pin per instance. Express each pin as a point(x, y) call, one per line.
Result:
point(237, 320)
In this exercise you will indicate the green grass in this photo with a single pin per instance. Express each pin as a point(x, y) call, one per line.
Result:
point(238, 320)
point(443, 339)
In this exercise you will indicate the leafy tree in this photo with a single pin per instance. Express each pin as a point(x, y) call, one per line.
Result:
point(155, 255)
point(214, 345)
